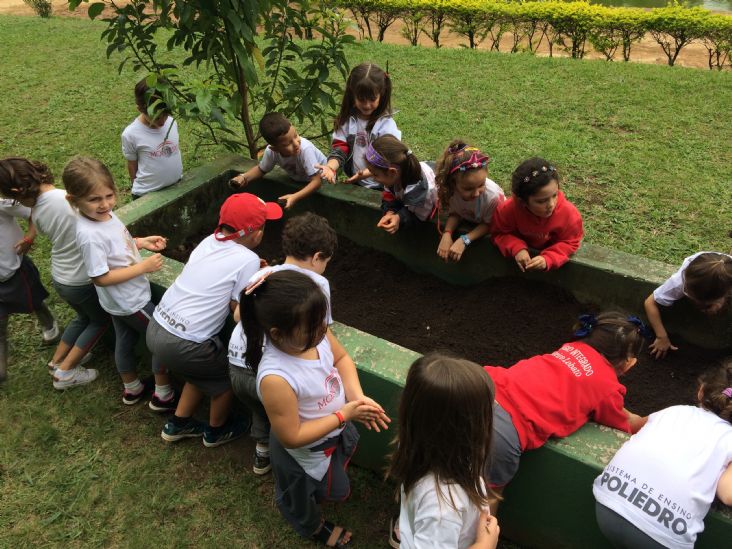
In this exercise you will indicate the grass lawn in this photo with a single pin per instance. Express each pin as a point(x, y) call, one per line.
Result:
point(644, 152)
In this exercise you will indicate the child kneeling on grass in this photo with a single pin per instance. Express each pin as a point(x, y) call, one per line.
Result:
point(294, 154)
point(309, 243)
point(537, 216)
point(310, 389)
point(184, 332)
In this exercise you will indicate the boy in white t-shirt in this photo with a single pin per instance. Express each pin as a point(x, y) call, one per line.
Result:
point(308, 242)
point(184, 330)
point(150, 144)
point(286, 149)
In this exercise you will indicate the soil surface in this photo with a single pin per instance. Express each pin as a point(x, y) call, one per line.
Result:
point(645, 51)
point(498, 322)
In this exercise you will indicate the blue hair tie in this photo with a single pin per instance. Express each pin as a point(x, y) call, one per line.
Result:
point(587, 323)
point(645, 332)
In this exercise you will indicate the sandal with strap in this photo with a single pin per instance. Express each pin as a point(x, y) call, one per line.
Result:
point(332, 536)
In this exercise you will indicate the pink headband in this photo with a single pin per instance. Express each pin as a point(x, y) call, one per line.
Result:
point(477, 160)
point(727, 392)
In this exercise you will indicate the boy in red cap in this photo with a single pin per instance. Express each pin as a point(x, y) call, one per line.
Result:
point(183, 333)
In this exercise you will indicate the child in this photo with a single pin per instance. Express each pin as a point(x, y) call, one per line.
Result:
point(554, 395)
point(409, 185)
point(705, 279)
point(112, 261)
point(443, 446)
point(310, 389)
point(309, 243)
point(464, 188)
point(21, 290)
point(184, 332)
point(659, 486)
point(537, 216)
point(365, 115)
point(150, 144)
point(294, 154)
point(31, 184)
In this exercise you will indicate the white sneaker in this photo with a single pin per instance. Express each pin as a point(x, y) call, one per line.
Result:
point(51, 335)
point(52, 365)
point(80, 376)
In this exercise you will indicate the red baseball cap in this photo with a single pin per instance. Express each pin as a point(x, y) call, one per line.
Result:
point(245, 213)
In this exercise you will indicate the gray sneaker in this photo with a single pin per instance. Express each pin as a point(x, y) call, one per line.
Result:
point(80, 376)
point(52, 365)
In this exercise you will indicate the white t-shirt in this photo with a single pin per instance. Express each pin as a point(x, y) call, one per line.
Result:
point(108, 245)
point(479, 210)
point(54, 218)
point(319, 391)
point(673, 289)
point(195, 307)
point(426, 520)
point(238, 341)
point(664, 479)
point(300, 167)
point(159, 163)
point(10, 233)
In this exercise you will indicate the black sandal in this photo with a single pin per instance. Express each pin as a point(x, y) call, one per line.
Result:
point(332, 536)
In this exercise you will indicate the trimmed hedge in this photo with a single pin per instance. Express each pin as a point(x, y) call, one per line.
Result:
point(571, 26)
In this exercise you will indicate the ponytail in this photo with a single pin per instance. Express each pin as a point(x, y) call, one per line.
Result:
point(253, 331)
point(397, 154)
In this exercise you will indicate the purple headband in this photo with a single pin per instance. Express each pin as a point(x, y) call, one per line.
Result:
point(375, 159)
point(727, 392)
point(477, 160)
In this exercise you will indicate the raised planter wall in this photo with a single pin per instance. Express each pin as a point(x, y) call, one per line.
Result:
point(549, 503)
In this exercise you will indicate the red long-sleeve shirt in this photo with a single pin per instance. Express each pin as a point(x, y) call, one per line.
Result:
point(515, 228)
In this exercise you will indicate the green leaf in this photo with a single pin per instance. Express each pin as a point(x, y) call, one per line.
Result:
point(95, 9)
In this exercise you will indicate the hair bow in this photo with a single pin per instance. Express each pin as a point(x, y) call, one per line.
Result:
point(643, 330)
point(587, 323)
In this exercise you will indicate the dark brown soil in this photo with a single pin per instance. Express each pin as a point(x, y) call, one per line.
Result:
point(498, 322)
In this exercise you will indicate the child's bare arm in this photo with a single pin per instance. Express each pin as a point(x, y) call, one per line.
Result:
point(151, 243)
point(488, 531)
point(24, 244)
point(724, 486)
point(117, 276)
point(132, 169)
point(243, 179)
point(310, 188)
point(662, 343)
point(458, 247)
point(636, 422)
point(443, 249)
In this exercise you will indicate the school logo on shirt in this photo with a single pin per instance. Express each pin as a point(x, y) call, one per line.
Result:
point(165, 149)
point(332, 389)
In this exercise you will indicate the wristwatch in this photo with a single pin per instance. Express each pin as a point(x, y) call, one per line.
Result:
point(466, 240)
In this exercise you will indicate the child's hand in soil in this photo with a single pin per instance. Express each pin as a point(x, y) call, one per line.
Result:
point(152, 263)
point(443, 250)
point(486, 536)
point(288, 199)
point(152, 243)
point(390, 222)
point(661, 346)
point(457, 249)
point(522, 259)
point(536, 263)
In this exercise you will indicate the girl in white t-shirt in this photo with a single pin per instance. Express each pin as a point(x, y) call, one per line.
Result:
point(467, 194)
point(113, 263)
point(443, 445)
point(705, 279)
point(31, 184)
point(657, 489)
point(310, 390)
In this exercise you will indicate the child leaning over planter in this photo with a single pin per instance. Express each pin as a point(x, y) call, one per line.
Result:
point(553, 395)
point(184, 331)
point(310, 389)
point(537, 216)
point(682, 455)
point(31, 184)
point(21, 289)
point(294, 154)
point(364, 116)
point(308, 242)
point(465, 191)
point(409, 185)
point(705, 279)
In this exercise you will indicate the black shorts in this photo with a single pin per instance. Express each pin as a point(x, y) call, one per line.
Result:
point(23, 292)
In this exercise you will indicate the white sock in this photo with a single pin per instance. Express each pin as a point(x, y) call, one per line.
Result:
point(262, 449)
point(163, 392)
point(134, 387)
point(63, 374)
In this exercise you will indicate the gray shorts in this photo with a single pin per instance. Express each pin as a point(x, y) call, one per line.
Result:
point(505, 449)
point(621, 532)
point(204, 365)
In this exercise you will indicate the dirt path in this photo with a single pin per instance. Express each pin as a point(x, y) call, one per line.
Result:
point(647, 51)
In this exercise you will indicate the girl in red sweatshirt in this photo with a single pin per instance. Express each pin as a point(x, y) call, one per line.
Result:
point(537, 216)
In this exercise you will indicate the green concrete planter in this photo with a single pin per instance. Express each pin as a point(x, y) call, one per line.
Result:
point(550, 502)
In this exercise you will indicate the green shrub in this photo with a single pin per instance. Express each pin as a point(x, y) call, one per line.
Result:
point(42, 8)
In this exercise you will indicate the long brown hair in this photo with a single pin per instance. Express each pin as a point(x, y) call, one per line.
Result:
point(445, 426)
point(366, 81)
point(713, 386)
point(456, 152)
point(21, 179)
point(82, 174)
